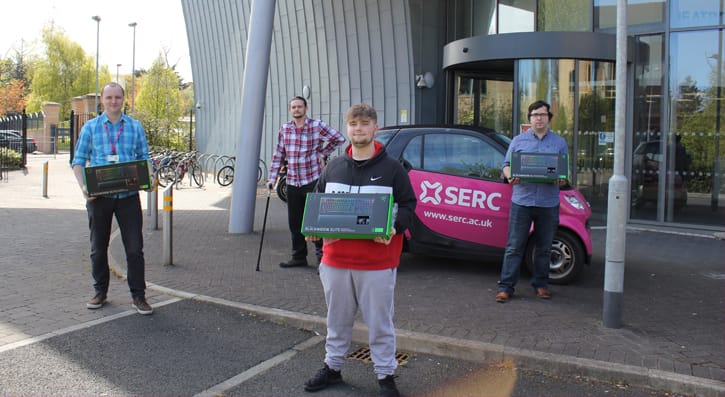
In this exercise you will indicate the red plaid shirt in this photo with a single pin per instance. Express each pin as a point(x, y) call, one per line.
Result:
point(302, 148)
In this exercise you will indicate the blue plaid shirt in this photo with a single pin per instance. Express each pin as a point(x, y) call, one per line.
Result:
point(95, 143)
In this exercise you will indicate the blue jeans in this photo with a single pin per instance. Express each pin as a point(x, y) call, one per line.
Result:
point(130, 221)
point(546, 220)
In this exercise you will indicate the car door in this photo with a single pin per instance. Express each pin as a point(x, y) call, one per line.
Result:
point(456, 176)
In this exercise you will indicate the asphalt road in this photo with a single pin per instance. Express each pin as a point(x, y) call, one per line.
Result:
point(190, 347)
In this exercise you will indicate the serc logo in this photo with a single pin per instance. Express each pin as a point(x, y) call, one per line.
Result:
point(436, 192)
point(453, 195)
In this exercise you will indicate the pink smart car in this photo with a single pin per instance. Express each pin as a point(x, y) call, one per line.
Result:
point(463, 201)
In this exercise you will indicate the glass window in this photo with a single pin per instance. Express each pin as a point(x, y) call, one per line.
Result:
point(464, 101)
point(484, 102)
point(564, 15)
point(414, 150)
point(461, 155)
point(642, 15)
point(595, 135)
point(691, 169)
point(462, 18)
point(516, 16)
point(484, 17)
point(648, 121)
point(550, 80)
point(690, 13)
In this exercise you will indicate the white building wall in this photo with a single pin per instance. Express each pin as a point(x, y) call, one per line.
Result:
point(346, 51)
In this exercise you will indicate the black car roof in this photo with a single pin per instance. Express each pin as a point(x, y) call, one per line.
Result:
point(483, 130)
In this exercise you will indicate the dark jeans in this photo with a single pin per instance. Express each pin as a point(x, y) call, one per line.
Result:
point(546, 220)
point(296, 196)
point(130, 221)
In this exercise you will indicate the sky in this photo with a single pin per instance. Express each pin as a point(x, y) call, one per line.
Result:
point(160, 25)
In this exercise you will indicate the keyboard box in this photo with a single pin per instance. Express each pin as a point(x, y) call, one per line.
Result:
point(348, 215)
point(117, 178)
point(539, 167)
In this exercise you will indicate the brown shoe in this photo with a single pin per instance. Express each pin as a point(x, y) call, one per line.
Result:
point(142, 307)
point(503, 297)
point(97, 301)
point(543, 293)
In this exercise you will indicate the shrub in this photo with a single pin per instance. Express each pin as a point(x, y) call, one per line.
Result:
point(10, 159)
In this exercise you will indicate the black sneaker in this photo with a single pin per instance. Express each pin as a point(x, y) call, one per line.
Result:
point(141, 306)
point(324, 377)
point(294, 263)
point(387, 387)
point(97, 301)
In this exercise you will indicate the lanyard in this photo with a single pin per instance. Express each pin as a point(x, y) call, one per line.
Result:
point(108, 134)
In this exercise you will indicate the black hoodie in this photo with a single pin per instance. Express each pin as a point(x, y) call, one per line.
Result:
point(379, 174)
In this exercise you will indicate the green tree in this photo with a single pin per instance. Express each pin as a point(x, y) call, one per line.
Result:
point(64, 73)
point(159, 103)
point(14, 81)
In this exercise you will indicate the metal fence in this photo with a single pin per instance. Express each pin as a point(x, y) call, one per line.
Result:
point(21, 124)
point(74, 125)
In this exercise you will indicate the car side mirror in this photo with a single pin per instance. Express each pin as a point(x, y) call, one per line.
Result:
point(406, 165)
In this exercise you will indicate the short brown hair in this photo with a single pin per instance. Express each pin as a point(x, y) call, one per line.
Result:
point(114, 84)
point(361, 110)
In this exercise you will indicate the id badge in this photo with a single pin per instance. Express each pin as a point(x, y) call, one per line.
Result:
point(112, 158)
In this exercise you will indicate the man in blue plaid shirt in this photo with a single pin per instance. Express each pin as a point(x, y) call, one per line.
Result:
point(110, 138)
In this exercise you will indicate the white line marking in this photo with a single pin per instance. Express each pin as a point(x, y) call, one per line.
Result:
point(237, 380)
point(72, 328)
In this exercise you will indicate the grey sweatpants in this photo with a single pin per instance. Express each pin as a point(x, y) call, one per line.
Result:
point(373, 292)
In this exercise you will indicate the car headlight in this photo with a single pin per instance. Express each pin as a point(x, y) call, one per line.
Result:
point(574, 202)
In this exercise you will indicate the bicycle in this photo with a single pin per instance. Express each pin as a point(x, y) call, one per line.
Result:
point(189, 163)
point(225, 176)
point(173, 166)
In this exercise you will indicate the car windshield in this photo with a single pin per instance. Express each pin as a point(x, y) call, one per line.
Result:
point(501, 138)
point(383, 137)
point(648, 147)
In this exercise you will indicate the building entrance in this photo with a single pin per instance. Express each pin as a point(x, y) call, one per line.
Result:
point(581, 93)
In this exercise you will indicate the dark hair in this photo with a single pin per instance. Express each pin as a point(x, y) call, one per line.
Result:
point(298, 98)
point(113, 84)
point(540, 104)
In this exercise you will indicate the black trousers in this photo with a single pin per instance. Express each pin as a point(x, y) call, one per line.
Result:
point(296, 196)
point(130, 221)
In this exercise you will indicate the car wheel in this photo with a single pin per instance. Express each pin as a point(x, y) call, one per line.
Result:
point(567, 258)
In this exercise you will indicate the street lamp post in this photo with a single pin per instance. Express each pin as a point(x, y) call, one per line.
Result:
point(133, 68)
point(98, 31)
point(118, 65)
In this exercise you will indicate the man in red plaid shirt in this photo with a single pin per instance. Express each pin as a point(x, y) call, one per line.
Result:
point(305, 143)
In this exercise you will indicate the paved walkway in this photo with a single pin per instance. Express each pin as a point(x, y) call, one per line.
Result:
point(674, 322)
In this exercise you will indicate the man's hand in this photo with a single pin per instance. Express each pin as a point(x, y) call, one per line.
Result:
point(385, 241)
point(270, 185)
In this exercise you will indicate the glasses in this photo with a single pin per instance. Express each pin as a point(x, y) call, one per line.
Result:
point(535, 115)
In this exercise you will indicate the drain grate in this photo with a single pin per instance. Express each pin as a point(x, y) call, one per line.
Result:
point(363, 354)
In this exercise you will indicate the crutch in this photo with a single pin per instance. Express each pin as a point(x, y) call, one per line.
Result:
point(264, 226)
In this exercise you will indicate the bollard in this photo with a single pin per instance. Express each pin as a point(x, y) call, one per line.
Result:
point(168, 244)
point(153, 207)
point(149, 204)
point(45, 179)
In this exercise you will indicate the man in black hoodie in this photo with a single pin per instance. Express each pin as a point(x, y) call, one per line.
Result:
point(362, 273)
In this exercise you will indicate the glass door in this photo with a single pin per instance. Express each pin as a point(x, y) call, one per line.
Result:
point(485, 100)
